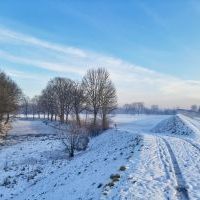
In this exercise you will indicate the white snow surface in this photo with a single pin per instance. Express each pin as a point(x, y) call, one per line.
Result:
point(130, 162)
point(173, 125)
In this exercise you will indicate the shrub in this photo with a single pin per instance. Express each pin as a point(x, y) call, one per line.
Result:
point(93, 130)
point(75, 138)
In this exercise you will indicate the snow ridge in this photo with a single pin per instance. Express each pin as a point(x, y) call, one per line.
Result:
point(173, 125)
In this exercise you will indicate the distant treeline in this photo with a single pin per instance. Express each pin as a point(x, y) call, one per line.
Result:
point(140, 108)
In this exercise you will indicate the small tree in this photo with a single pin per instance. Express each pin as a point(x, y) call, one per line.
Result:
point(74, 138)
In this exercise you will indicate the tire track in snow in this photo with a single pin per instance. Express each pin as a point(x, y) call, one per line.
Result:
point(163, 159)
point(196, 162)
point(181, 184)
point(196, 146)
point(191, 143)
point(165, 163)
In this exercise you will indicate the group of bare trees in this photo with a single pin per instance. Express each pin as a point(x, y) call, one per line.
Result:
point(195, 108)
point(67, 101)
point(10, 95)
point(140, 108)
point(63, 97)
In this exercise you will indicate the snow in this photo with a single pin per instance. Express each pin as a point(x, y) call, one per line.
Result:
point(188, 161)
point(146, 157)
point(173, 125)
point(39, 160)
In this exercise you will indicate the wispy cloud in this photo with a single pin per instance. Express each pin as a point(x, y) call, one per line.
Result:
point(53, 66)
point(7, 36)
point(134, 83)
point(22, 75)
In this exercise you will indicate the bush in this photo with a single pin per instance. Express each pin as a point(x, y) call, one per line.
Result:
point(82, 142)
point(93, 130)
point(75, 138)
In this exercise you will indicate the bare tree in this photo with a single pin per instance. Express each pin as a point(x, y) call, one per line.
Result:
point(108, 98)
point(155, 109)
point(91, 86)
point(10, 96)
point(43, 103)
point(78, 101)
point(74, 138)
point(33, 106)
point(48, 101)
point(69, 89)
point(62, 88)
point(99, 92)
point(135, 108)
point(25, 105)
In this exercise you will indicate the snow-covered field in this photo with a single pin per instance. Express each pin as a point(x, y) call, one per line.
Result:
point(146, 157)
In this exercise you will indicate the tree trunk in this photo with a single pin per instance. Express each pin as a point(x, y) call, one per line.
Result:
point(7, 118)
point(62, 117)
point(71, 154)
point(86, 117)
point(78, 119)
point(26, 112)
point(104, 122)
point(67, 117)
point(95, 119)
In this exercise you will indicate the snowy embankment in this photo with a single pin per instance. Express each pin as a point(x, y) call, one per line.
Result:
point(128, 163)
point(37, 167)
point(174, 125)
point(178, 138)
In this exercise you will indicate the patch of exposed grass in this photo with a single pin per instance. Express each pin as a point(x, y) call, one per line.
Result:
point(122, 168)
point(115, 177)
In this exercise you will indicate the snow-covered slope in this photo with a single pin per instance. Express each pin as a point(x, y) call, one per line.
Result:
point(128, 163)
point(173, 125)
point(39, 168)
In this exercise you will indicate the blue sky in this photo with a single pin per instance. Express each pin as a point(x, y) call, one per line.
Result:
point(151, 48)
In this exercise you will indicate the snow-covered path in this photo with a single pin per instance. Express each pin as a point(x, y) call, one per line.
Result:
point(187, 158)
point(149, 165)
point(168, 166)
point(174, 169)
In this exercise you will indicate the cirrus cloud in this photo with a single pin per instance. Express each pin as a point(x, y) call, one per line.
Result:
point(133, 82)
